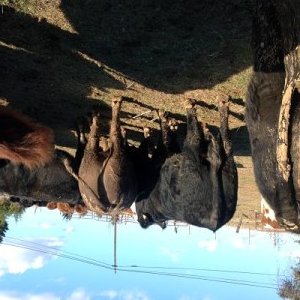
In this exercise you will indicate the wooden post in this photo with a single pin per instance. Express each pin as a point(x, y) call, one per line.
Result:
point(115, 244)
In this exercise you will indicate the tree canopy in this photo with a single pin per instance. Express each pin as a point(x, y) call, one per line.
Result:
point(7, 209)
point(290, 287)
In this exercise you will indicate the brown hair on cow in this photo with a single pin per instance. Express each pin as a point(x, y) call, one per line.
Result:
point(65, 207)
point(23, 141)
point(51, 205)
point(81, 209)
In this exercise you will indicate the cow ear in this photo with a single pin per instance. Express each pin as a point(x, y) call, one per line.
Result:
point(163, 224)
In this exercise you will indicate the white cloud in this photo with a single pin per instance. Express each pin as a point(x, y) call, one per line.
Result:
point(124, 295)
point(109, 294)
point(238, 242)
point(209, 245)
point(17, 260)
point(79, 294)
point(185, 297)
point(46, 226)
point(134, 295)
point(61, 280)
point(172, 254)
point(9, 295)
point(52, 242)
point(69, 229)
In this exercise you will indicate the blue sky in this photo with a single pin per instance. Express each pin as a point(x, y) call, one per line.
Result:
point(34, 275)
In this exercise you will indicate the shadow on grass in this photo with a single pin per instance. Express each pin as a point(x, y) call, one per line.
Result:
point(42, 74)
point(172, 46)
point(168, 45)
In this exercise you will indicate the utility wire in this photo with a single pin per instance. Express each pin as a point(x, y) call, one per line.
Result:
point(202, 269)
point(87, 260)
point(179, 275)
point(151, 267)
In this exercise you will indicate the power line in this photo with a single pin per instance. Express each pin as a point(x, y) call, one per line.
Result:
point(213, 279)
point(151, 267)
point(54, 251)
point(179, 275)
point(134, 269)
point(54, 248)
point(202, 269)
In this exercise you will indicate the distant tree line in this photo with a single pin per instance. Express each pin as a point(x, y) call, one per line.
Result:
point(7, 209)
point(290, 287)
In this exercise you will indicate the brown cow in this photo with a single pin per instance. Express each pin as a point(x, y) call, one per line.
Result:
point(107, 179)
point(24, 141)
point(30, 169)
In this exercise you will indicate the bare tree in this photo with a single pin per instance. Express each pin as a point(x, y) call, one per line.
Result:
point(290, 287)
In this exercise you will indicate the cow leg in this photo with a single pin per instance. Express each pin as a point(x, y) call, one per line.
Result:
point(229, 170)
point(194, 132)
point(81, 142)
point(91, 167)
point(93, 140)
point(224, 128)
point(161, 152)
point(116, 137)
point(148, 161)
point(167, 143)
point(192, 150)
point(119, 175)
point(124, 137)
point(146, 147)
point(214, 156)
point(172, 136)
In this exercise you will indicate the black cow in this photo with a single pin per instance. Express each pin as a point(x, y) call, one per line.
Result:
point(151, 154)
point(273, 109)
point(197, 186)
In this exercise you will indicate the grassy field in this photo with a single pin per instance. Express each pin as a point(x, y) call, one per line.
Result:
point(59, 58)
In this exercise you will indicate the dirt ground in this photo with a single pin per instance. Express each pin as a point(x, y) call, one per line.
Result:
point(59, 58)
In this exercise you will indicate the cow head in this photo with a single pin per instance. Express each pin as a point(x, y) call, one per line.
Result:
point(148, 215)
point(147, 220)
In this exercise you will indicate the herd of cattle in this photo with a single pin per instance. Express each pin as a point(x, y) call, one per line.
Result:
point(195, 182)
